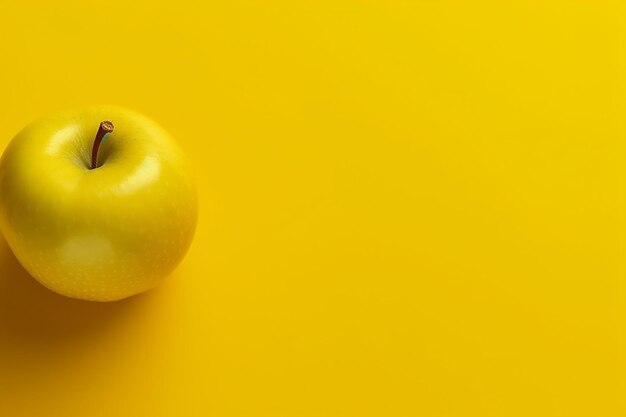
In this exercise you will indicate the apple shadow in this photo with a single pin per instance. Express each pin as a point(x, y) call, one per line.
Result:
point(33, 317)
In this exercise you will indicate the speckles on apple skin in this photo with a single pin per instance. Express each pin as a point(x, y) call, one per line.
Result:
point(92, 267)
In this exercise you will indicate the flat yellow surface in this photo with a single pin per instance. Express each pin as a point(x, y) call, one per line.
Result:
point(408, 208)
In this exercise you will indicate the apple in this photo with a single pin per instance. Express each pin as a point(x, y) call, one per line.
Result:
point(97, 203)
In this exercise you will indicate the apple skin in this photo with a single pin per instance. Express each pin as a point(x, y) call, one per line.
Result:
point(102, 234)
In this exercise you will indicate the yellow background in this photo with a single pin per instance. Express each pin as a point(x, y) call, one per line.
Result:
point(408, 208)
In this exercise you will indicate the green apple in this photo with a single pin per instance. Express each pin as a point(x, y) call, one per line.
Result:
point(97, 203)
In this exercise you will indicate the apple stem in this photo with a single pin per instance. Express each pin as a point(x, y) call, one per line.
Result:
point(105, 127)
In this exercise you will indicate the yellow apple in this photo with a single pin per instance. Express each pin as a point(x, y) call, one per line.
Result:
point(102, 233)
